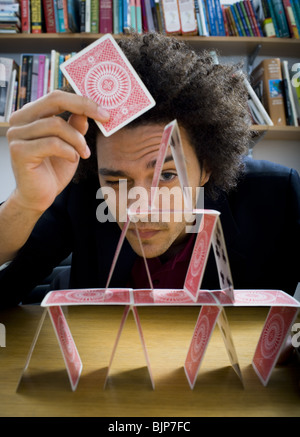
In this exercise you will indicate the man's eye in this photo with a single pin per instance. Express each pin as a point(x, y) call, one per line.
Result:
point(167, 176)
point(112, 182)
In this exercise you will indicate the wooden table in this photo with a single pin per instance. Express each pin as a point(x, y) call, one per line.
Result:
point(45, 389)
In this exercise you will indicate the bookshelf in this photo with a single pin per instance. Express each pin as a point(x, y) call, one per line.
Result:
point(226, 46)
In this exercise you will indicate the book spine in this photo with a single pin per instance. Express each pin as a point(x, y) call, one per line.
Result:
point(187, 17)
point(9, 108)
point(88, 16)
point(34, 78)
point(241, 14)
point(144, 16)
point(46, 76)
point(290, 19)
point(219, 18)
point(197, 13)
point(73, 15)
point(253, 23)
point(296, 11)
point(225, 21)
point(211, 17)
point(49, 15)
point(132, 7)
point(23, 81)
point(246, 18)
point(95, 15)
point(25, 16)
point(160, 16)
point(237, 20)
point(233, 26)
point(29, 78)
point(203, 17)
point(41, 76)
point(257, 102)
point(139, 23)
point(82, 16)
point(258, 15)
point(115, 17)
point(268, 77)
point(121, 24)
point(36, 16)
point(280, 18)
point(60, 17)
point(126, 16)
point(171, 17)
point(154, 15)
point(289, 93)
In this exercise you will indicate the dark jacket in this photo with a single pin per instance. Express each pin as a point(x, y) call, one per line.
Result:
point(260, 220)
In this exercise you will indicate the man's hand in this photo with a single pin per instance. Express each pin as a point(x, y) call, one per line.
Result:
point(45, 149)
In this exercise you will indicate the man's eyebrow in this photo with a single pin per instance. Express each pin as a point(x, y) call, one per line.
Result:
point(110, 172)
point(104, 171)
point(151, 164)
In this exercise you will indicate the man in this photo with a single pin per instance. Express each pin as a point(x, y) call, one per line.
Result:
point(52, 211)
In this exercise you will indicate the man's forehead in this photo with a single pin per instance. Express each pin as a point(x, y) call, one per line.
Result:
point(131, 143)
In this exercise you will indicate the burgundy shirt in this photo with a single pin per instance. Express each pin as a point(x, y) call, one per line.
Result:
point(170, 274)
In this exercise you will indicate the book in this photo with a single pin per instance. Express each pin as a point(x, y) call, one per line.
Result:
point(95, 13)
point(295, 81)
point(73, 15)
point(106, 16)
point(126, 16)
point(36, 16)
point(49, 16)
point(203, 18)
point(82, 16)
point(291, 113)
point(8, 71)
point(34, 78)
point(267, 83)
point(219, 18)
point(280, 18)
point(171, 17)
point(187, 17)
point(210, 11)
point(290, 17)
point(257, 104)
point(23, 81)
point(273, 17)
point(41, 76)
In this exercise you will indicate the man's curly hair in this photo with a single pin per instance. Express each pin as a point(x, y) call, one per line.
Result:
point(209, 101)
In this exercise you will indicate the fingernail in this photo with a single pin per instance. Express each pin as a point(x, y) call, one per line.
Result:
point(103, 112)
point(87, 152)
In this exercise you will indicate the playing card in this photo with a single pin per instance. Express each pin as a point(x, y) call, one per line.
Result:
point(171, 137)
point(263, 298)
point(225, 278)
point(29, 355)
point(228, 341)
point(139, 327)
point(102, 72)
point(199, 256)
point(140, 331)
point(273, 337)
point(91, 296)
point(67, 345)
point(201, 336)
point(123, 320)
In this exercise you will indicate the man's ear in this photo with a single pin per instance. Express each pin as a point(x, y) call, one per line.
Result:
point(205, 175)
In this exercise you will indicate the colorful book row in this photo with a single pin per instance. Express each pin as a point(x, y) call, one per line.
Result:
point(271, 18)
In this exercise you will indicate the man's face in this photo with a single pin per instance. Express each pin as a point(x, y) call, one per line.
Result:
point(130, 155)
